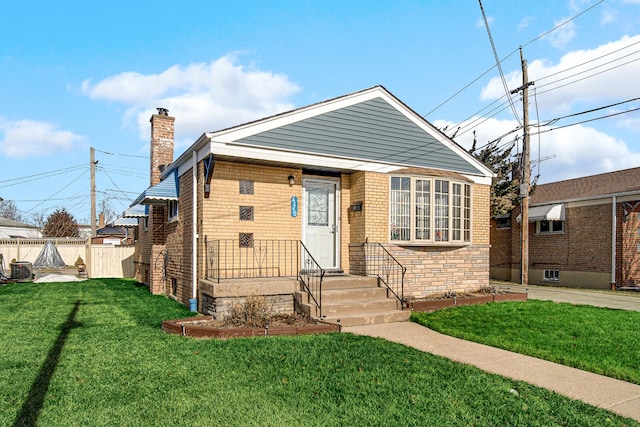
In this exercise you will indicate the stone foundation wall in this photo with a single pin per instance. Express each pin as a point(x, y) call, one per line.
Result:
point(222, 306)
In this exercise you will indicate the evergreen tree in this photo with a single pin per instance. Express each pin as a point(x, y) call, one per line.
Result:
point(61, 224)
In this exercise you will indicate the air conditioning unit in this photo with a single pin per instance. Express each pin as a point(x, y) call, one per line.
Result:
point(21, 270)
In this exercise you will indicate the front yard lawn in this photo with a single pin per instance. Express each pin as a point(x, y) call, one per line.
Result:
point(600, 340)
point(92, 353)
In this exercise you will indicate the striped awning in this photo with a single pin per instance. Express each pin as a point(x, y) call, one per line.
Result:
point(126, 222)
point(160, 193)
point(137, 211)
point(545, 213)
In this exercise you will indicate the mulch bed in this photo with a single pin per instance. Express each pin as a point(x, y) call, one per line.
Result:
point(206, 327)
point(438, 303)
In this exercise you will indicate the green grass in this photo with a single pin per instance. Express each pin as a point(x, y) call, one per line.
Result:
point(600, 340)
point(92, 353)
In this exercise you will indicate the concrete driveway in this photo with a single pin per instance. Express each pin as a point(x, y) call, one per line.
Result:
point(624, 300)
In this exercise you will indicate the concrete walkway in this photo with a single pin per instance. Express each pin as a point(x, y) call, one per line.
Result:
point(624, 300)
point(614, 395)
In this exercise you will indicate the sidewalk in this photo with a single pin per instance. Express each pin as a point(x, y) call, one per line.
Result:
point(624, 300)
point(614, 395)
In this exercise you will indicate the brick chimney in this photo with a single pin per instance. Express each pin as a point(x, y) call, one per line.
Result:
point(161, 143)
point(161, 155)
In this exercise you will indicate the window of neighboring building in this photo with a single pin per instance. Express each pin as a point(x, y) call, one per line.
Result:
point(173, 210)
point(552, 275)
point(502, 223)
point(549, 226)
point(145, 223)
point(638, 247)
point(246, 186)
point(423, 210)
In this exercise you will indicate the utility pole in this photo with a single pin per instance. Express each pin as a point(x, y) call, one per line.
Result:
point(92, 162)
point(526, 174)
point(525, 178)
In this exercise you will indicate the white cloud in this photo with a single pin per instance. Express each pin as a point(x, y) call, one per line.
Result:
point(202, 96)
point(606, 73)
point(577, 150)
point(562, 35)
point(29, 138)
point(525, 23)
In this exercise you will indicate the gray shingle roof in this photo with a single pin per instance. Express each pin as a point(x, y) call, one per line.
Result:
point(627, 180)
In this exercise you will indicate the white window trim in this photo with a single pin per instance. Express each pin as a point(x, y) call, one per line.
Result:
point(550, 272)
point(172, 213)
point(432, 241)
point(550, 231)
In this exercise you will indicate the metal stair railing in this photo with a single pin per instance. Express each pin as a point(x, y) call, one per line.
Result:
point(311, 276)
point(383, 265)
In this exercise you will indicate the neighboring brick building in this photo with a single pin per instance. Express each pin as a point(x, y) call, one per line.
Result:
point(583, 232)
point(314, 185)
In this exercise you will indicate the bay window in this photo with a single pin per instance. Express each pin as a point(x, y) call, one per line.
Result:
point(427, 210)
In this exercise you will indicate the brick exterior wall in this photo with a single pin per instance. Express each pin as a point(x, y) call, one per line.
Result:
point(627, 255)
point(431, 270)
point(582, 250)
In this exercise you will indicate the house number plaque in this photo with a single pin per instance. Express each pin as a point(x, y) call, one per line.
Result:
point(294, 206)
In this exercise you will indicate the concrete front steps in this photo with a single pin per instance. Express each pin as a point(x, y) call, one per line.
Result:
point(354, 300)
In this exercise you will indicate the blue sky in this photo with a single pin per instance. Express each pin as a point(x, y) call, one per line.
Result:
point(75, 75)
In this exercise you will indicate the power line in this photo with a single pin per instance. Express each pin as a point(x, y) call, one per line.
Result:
point(511, 54)
point(121, 155)
point(499, 65)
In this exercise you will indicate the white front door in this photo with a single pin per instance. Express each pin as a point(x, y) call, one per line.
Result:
point(321, 228)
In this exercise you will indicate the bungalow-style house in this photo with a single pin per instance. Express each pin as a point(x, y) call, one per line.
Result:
point(359, 185)
point(10, 229)
point(583, 232)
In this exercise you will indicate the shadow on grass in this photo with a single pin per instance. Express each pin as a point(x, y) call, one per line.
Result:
point(32, 406)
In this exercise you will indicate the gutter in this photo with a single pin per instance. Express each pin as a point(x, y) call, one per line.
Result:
point(613, 243)
point(193, 302)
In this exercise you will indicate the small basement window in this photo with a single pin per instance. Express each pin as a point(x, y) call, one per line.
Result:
point(552, 275)
point(503, 223)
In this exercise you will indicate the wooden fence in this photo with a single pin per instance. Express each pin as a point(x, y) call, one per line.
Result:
point(101, 260)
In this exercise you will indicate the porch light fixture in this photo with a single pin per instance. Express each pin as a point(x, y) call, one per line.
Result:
point(292, 180)
point(356, 207)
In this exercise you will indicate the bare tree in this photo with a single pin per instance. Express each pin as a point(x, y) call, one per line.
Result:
point(9, 210)
point(61, 224)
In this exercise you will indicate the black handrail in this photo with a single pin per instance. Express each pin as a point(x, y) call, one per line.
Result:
point(311, 276)
point(380, 263)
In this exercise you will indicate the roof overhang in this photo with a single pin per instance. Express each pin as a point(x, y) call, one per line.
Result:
point(554, 212)
point(137, 211)
point(126, 222)
point(166, 190)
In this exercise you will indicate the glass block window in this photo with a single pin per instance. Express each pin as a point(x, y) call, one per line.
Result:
point(318, 212)
point(246, 186)
point(246, 213)
point(245, 240)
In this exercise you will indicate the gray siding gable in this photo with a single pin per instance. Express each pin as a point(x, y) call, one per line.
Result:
point(372, 130)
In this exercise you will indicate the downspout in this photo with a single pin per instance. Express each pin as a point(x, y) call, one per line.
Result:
point(613, 243)
point(193, 302)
